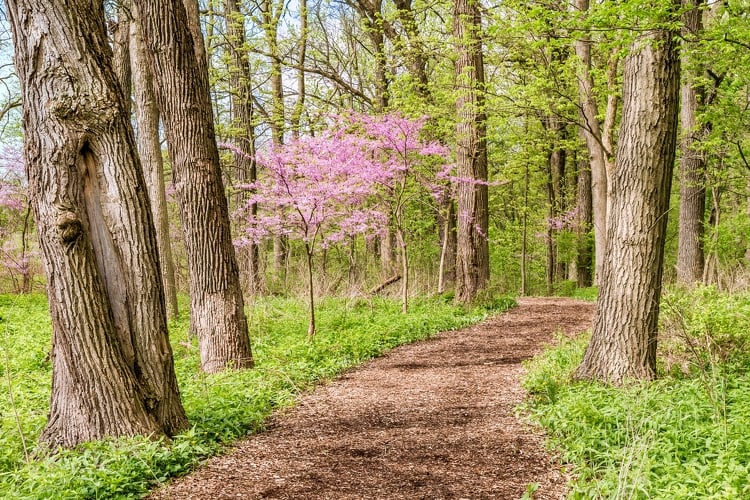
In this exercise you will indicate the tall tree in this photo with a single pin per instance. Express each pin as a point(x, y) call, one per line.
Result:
point(149, 149)
point(623, 341)
point(692, 161)
point(243, 131)
point(217, 311)
point(595, 144)
point(584, 220)
point(112, 362)
point(472, 260)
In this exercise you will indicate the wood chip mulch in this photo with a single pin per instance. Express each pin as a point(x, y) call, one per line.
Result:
point(430, 420)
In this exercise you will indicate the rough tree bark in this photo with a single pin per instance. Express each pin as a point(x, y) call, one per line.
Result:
point(217, 307)
point(623, 342)
point(149, 149)
point(112, 369)
point(594, 143)
point(472, 259)
point(244, 133)
point(692, 163)
point(584, 219)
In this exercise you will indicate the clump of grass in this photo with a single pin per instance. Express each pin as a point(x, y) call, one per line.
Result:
point(683, 436)
point(221, 407)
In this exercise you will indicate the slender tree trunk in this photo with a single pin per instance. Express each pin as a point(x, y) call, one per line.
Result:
point(271, 11)
point(692, 165)
point(584, 218)
point(311, 290)
point(447, 272)
point(149, 149)
point(549, 267)
point(472, 260)
point(623, 342)
point(594, 143)
point(416, 51)
point(217, 308)
point(524, 231)
point(240, 81)
point(112, 371)
point(401, 238)
point(299, 105)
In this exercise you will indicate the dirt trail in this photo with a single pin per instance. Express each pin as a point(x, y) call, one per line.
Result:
point(430, 420)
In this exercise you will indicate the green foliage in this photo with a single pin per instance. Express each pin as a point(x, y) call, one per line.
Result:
point(221, 408)
point(683, 436)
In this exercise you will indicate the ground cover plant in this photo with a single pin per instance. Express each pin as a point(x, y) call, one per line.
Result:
point(221, 407)
point(682, 436)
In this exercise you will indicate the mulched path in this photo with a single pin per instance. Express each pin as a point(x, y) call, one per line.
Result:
point(430, 420)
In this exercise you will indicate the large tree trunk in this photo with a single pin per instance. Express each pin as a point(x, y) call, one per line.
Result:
point(242, 117)
point(623, 342)
point(692, 166)
point(472, 259)
point(112, 369)
point(217, 308)
point(149, 149)
point(594, 144)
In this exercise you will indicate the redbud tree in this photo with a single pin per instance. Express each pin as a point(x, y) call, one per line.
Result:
point(353, 179)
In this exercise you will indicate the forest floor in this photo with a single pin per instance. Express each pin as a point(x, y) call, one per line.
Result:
point(430, 420)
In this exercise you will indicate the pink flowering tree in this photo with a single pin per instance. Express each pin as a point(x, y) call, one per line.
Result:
point(317, 190)
point(15, 219)
point(353, 179)
point(412, 171)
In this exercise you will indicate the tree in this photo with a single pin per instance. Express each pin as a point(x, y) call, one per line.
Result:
point(623, 341)
point(217, 311)
point(243, 130)
point(316, 188)
point(692, 160)
point(149, 149)
point(598, 154)
point(112, 363)
point(472, 261)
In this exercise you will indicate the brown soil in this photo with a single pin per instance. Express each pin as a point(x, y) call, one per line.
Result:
point(434, 419)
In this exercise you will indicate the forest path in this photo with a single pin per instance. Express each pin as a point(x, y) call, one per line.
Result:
point(433, 419)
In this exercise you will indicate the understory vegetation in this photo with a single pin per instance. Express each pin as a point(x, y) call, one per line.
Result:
point(221, 408)
point(681, 436)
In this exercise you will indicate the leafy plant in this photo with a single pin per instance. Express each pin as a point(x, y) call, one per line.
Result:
point(221, 407)
point(683, 436)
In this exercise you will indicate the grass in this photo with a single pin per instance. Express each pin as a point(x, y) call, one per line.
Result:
point(221, 408)
point(682, 436)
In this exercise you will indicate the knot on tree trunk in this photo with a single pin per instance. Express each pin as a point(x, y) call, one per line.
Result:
point(70, 226)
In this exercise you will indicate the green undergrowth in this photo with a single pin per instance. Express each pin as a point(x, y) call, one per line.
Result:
point(684, 435)
point(221, 408)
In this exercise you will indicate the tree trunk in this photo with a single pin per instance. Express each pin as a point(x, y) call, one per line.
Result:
point(112, 371)
point(584, 219)
point(272, 11)
point(217, 308)
point(594, 144)
point(416, 51)
point(299, 105)
point(240, 81)
point(692, 165)
point(472, 259)
point(623, 342)
point(149, 149)
point(121, 51)
point(447, 272)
